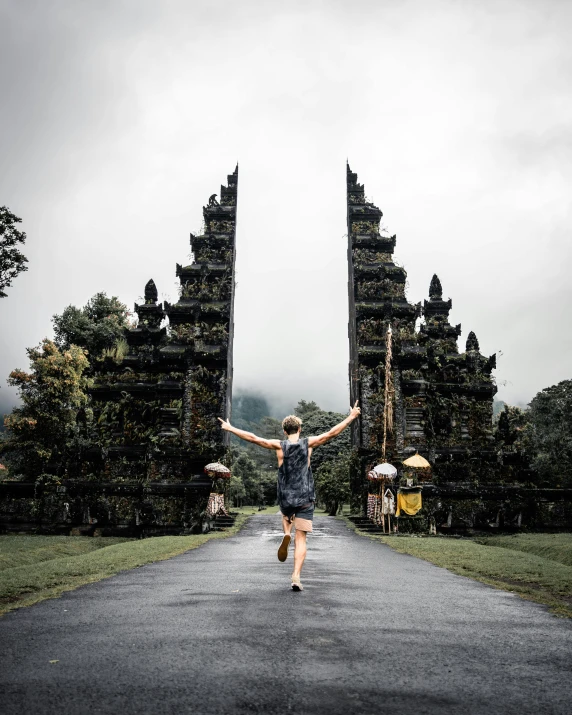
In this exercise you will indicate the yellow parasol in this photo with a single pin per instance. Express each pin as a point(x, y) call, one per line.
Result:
point(417, 461)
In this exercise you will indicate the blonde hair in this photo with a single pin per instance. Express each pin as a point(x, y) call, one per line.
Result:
point(291, 424)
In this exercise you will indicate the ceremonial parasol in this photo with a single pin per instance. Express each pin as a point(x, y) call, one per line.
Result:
point(388, 470)
point(216, 470)
point(417, 461)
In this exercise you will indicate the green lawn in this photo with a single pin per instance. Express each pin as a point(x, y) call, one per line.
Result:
point(536, 566)
point(556, 547)
point(249, 510)
point(28, 550)
point(33, 568)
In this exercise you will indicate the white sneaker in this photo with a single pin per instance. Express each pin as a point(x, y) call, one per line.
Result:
point(296, 584)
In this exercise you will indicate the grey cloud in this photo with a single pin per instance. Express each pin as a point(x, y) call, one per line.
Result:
point(121, 118)
point(552, 147)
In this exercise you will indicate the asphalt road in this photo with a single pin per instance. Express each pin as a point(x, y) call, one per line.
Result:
point(217, 630)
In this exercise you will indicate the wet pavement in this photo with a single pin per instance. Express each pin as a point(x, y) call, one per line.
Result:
point(217, 630)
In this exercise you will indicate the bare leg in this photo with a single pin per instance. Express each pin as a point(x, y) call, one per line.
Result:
point(299, 552)
point(286, 525)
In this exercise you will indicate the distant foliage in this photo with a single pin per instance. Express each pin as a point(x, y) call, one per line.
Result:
point(498, 407)
point(251, 483)
point(511, 427)
point(549, 434)
point(333, 482)
point(271, 428)
point(97, 327)
point(330, 462)
point(248, 409)
point(237, 491)
point(254, 469)
point(305, 408)
point(38, 434)
point(316, 421)
point(250, 412)
point(12, 260)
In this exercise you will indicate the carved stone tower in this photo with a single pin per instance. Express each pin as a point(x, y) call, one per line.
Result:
point(376, 300)
point(155, 410)
point(202, 326)
point(441, 400)
point(459, 391)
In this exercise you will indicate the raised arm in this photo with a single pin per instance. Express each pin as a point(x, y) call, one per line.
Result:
point(335, 431)
point(250, 436)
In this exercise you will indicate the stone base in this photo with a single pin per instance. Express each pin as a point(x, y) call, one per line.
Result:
point(465, 509)
point(105, 509)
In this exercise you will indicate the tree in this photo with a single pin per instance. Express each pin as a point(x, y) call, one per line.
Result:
point(333, 483)
point(38, 433)
point(259, 484)
point(498, 407)
point(315, 421)
point(303, 409)
point(330, 462)
point(96, 327)
point(237, 490)
point(245, 469)
point(257, 467)
point(510, 427)
point(271, 428)
point(549, 434)
point(12, 260)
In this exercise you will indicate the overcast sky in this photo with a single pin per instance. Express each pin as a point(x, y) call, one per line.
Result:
point(119, 119)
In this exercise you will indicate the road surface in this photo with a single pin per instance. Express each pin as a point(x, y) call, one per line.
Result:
point(218, 630)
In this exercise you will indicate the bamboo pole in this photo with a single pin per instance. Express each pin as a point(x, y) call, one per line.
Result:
point(387, 418)
point(388, 391)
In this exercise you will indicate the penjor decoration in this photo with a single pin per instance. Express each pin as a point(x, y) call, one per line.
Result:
point(382, 472)
point(389, 391)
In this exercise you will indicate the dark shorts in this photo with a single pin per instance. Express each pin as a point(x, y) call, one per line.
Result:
point(302, 516)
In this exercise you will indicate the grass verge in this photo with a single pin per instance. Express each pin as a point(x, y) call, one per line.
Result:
point(535, 566)
point(27, 550)
point(55, 564)
point(250, 510)
point(555, 547)
point(254, 510)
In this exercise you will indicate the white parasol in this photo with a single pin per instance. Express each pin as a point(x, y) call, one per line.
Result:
point(388, 470)
point(216, 470)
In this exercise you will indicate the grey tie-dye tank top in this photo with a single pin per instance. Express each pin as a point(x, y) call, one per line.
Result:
point(295, 480)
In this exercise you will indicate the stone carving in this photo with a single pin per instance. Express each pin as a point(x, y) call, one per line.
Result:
point(151, 294)
point(435, 290)
point(472, 342)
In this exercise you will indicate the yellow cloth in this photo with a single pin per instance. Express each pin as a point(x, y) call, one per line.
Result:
point(408, 502)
